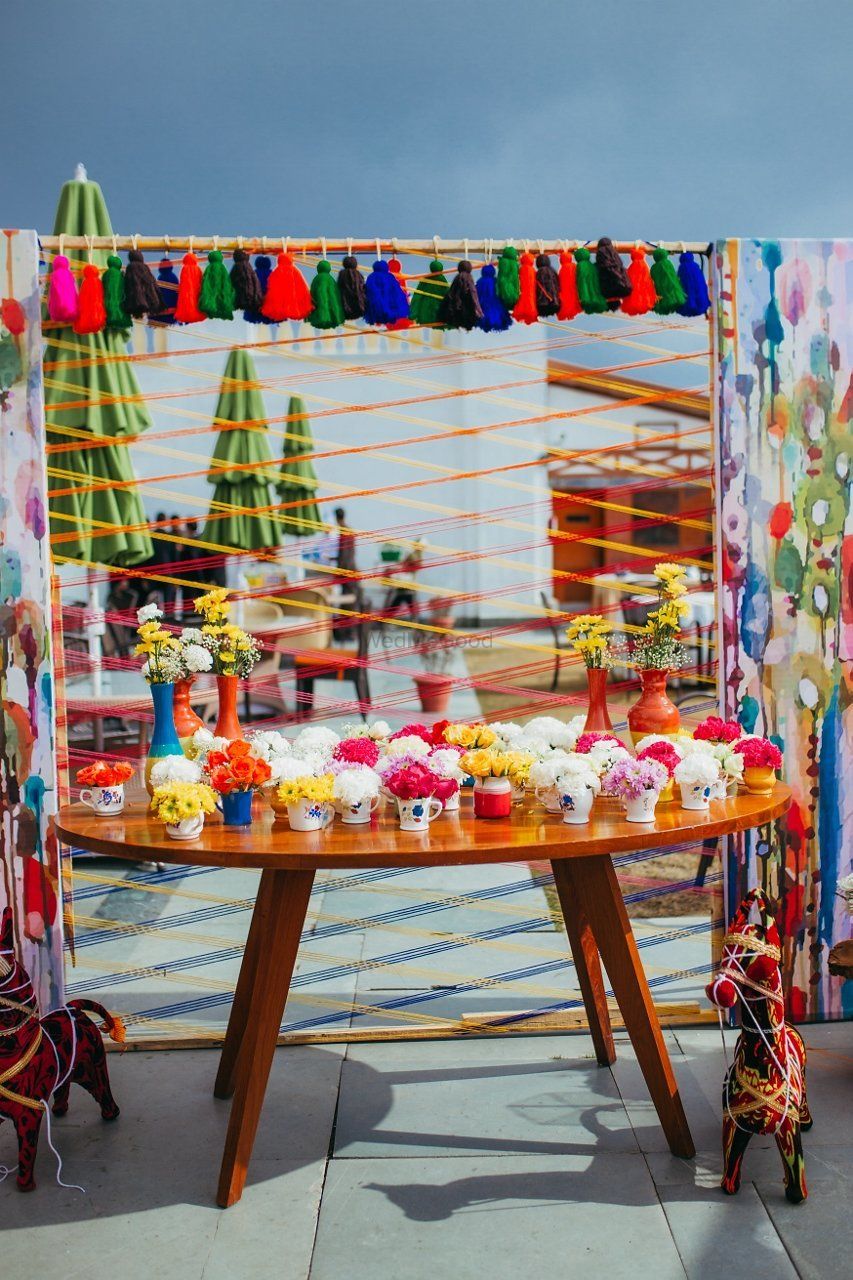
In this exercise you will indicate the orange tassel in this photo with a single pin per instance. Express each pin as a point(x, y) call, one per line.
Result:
point(570, 303)
point(91, 312)
point(189, 288)
point(288, 296)
point(525, 311)
point(642, 297)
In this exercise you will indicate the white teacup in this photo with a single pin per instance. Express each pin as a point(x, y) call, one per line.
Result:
point(106, 801)
point(641, 808)
point(451, 804)
point(550, 797)
point(416, 815)
point(310, 815)
point(577, 805)
point(186, 830)
point(695, 795)
point(355, 814)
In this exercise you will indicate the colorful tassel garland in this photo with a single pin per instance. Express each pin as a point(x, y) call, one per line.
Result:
point(460, 308)
point(113, 282)
point(187, 309)
point(547, 287)
point(288, 296)
point(385, 299)
point(509, 287)
point(167, 287)
point(592, 300)
point(612, 276)
point(695, 286)
point(496, 318)
point(351, 285)
point(328, 312)
point(429, 294)
point(245, 283)
point(91, 311)
point(140, 290)
point(216, 299)
point(263, 270)
point(670, 295)
point(570, 303)
point(642, 297)
point(524, 311)
point(62, 298)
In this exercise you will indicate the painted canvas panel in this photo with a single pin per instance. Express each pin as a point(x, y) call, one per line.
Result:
point(29, 875)
point(784, 317)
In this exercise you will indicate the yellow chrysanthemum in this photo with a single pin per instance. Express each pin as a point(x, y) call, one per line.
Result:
point(307, 787)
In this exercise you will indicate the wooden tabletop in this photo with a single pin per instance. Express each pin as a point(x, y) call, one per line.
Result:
point(453, 839)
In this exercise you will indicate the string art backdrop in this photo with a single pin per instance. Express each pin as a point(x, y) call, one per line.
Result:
point(493, 485)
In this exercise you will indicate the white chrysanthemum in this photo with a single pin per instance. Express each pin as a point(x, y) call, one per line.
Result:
point(604, 756)
point(203, 742)
point(544, 772)
point(731, 761)
point(445, 762)
point(175, 769)
point(303, 765)
point(354, 785)
point(148, 613)
point(317, 738)
point(693, 747)
point(269, 744)
point(698, 769)
point(577, 771)
point(197, 658)
point(508, 731)
point(409, 745)
point(536, 745)
point(192, 635)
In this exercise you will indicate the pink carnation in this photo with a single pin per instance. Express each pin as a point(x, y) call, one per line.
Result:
point(713, 729)
point(759, 753)
point(587, 741)
point(357, 751)
point(446, 788)
point(630, 778)
point(415, 730)
point(664, 753)
point(413, 782)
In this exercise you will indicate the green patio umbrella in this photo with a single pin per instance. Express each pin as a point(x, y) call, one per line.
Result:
point(298, 480)
point(81, 370)
point(237, 492)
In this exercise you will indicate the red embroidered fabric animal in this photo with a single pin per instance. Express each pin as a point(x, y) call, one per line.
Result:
point(43, 1057)
point(765, 1087)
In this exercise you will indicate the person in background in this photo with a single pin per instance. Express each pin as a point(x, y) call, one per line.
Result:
point(346, 541)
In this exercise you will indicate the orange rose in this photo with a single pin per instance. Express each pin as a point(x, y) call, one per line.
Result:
point(238, 749)
point(221, 781)
point(262, 773)
point(216, 759)
point(242, 771)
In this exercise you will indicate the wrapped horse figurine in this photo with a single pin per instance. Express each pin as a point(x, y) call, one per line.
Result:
point(764, 1091)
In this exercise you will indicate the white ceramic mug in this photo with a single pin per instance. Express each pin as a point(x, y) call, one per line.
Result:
point(550, 797)
point(451, 804)
point(106, 801)
point(186, 830)
point(695, 795)
point(355, 814)
point(416, 815)
point(641, 808)
point(310, 815)
point(577, 805)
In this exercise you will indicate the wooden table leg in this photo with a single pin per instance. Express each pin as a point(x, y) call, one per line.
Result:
point(225, 1076)
point(587, 963)
point(595, 880)
point(278, 943)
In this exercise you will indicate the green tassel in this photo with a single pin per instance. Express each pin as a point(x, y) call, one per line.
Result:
point(216, 297)
point(668, 287)
point(113, 282)
point(328, 310)
point(429, 295)
point(591, 298)
point(509, 290)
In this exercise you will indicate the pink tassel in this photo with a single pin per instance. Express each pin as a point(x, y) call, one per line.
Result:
point(62, 299)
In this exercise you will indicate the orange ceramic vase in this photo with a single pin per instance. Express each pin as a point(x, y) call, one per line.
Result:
point(186, 720)
point(597, 717)
point(653, 712)
point(227, 723)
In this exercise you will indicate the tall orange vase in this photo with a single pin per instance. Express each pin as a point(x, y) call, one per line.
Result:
point(597, 717)
point(227, 723)
point(186, 720)
point(653, 712)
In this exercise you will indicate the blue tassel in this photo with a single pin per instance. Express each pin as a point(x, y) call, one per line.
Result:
point(695, 287)
point(495, 315)
point(263, 267)
point(386, 301)
point(167, 287)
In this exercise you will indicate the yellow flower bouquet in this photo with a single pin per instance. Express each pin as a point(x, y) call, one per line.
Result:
point(470, 736)
point(233, 650)
point(319, 788)
point(658, 647)
point(485, 763)
point(183, 806)
point(588, 634)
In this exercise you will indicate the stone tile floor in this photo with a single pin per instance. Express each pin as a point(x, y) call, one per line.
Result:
point(477, 1158)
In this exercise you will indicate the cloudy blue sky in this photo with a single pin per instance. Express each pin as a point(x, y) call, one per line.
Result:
point(672, 119)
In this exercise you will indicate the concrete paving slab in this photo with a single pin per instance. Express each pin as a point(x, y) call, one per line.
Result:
point(718, 1235)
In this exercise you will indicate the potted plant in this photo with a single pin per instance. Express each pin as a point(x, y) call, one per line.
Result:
point(577, 785)
point(697, 776)
point(161, 669)
point(588, 635)
point(490, 770)
point(433, 684)
point(356, 793)
point(637, 783)
point(663, 750)
point(308, 798)
point(413, 786)
point(655, 653)
point(235, 774)
point(183, 806)
point(604, 750)
point(103, 785)
point(234, 652)
point(761, 759)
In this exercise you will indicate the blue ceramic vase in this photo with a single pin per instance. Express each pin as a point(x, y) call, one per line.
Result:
point(236, 809)
point(164, 737)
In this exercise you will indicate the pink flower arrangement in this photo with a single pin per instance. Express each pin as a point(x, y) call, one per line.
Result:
point(413, 782)
point(386, 765)
point(357, 751)
point(414, 730)
point(446, 788)
point(629, 779)
point(665, 754)
point(587, 741)
point(713, 729)
point(759, 753)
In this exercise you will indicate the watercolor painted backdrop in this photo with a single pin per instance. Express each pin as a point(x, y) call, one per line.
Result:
point(29, 875)
point(784, 319)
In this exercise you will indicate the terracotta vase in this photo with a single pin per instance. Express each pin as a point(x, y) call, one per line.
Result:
point(227, 723)
point(597, 717)
point(186, 720)
point(653, 712)
point(434, 693)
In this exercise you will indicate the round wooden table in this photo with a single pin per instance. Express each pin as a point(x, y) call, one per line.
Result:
point(597, 923)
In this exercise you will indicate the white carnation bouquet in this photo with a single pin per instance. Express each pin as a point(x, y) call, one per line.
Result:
point(175, 769)
point(316, 739)
point(698, 769)
point(354, 785)
point(578, 771)
point(377, 731)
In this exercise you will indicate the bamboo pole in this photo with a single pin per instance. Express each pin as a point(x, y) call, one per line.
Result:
point(316, 245)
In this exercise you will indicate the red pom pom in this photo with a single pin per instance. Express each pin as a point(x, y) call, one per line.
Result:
point(288, 296)
point(761, 968)
point(570, 303)
point(189, 288)
point(642, 297)
point(526, 311)
point(91, 312)
point(722, 992)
